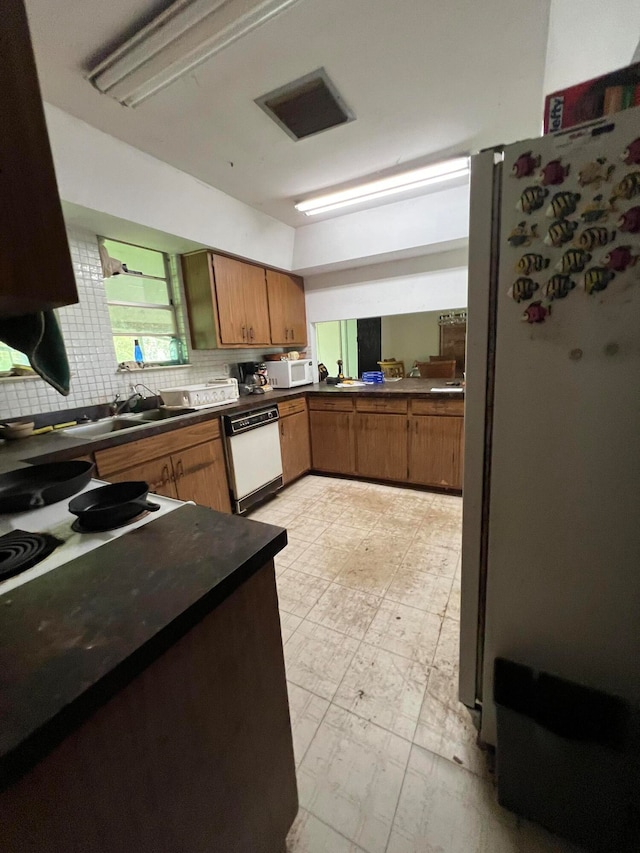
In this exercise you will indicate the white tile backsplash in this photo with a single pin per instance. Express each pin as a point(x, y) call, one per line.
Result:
point(92, 359)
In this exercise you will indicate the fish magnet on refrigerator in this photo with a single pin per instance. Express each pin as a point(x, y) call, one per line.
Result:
point(597, 279)
point(631, 154)
point(525, 165)
point(563, 204)
point(628, 188)
point(629, 222)
point(620, 258)
point(592, 237)
point(523, 234)
point(532, 199)
point(554, 173)
point(597, 210)
point(595, 173)
point(522, 289)
point(536, 313)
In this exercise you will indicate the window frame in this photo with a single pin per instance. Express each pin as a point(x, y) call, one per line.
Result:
point(169, 282)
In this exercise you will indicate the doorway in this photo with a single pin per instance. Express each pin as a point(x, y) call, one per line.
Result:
point(369, 344)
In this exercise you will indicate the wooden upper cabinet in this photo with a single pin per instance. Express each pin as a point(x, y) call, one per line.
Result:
point(287, 313)
point(36, 273)
point(241, 296)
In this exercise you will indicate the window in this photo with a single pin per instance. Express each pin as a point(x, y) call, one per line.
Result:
point(141, 306)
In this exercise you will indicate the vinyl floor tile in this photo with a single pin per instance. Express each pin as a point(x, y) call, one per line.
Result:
point(310, 835)
point(317, 658)
point(299, 592)
point(351, 777)
point(321, 560)
point(366, 573)
point(384, 688)
point(420, 589)
point(431, 558)
point(405, 631)
point(288, 624)
point(306, 711)
point(347, 610)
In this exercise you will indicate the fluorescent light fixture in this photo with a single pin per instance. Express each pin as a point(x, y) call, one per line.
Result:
point(415, 179)
point(187, 33)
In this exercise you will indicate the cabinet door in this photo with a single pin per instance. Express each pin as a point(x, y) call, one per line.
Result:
point(381, 446)
point(201, 476)
point(436, 451)
point(287, 314)
point(36, 273)
point(295, 447)
point(256, 305)
point(158, 473)
point(229, 277)
point(333, 442)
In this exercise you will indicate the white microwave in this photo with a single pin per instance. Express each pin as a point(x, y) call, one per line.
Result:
point(290, 374)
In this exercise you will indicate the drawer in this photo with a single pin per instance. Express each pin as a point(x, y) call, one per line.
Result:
point(292, 407)
point(437, 407)
point(144, 449)
point(331, 403)
point(382, 404)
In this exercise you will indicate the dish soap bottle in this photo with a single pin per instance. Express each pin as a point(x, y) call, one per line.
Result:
point(137, 353)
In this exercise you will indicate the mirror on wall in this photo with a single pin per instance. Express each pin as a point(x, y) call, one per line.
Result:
point(403, 345)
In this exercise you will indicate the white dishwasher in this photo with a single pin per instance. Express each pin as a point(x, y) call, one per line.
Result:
point(254, 461)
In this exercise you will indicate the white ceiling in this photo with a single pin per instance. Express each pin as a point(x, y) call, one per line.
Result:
point(426, 79)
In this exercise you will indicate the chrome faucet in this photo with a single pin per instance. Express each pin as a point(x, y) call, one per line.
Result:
point(118, 407)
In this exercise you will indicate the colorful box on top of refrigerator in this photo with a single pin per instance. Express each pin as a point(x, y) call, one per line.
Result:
point(592, 99)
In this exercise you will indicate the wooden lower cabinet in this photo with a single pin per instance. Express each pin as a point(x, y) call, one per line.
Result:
point(200, 476)
point(333, 443)
point(294, 445)
point(381, 446)
point(158, 473)
point(436, 450)
point(196, 474)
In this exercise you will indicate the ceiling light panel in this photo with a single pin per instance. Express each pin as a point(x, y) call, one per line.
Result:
point(177, 41)
point(383, 187)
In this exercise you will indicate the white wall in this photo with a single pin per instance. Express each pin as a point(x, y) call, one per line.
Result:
point(411, 337)
point(417, 225)
point(588, 38)
point(429, 283)
point(101, 173)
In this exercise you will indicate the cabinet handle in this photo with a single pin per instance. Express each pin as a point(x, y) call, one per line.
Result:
point(244, 333)
point(281, 429)
point(179, 470)
point(166, 478)
point(251, 332)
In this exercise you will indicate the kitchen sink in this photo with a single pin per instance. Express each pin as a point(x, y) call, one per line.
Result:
point(159, 414)
point(102, 427)
point(106, 426)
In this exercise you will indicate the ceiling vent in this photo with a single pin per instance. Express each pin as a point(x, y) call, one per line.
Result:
point(306, 106)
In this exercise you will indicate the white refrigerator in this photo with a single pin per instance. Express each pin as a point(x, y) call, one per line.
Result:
point(551, 530)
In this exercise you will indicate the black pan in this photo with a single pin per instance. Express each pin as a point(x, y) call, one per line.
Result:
point(110, 506)
point(37, 485)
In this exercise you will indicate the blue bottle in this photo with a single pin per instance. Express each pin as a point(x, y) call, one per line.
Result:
point(137, 353)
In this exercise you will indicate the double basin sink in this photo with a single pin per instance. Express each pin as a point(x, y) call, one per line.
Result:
point(117, 423)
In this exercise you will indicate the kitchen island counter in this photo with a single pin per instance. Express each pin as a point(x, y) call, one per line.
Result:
point(97, 634)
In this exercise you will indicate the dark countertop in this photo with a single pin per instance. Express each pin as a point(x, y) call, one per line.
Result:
point(75, 636)
point(58, 446)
